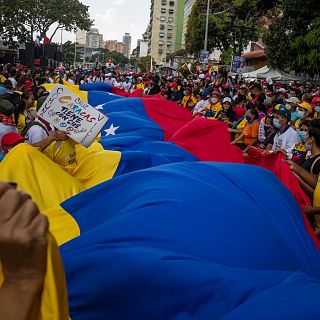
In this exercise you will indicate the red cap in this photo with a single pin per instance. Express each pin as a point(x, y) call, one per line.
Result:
point(28, 83)
point(188, 89)
point(173, 84)
point(11, 139)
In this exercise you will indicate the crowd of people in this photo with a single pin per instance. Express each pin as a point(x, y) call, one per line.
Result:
point(268, 115)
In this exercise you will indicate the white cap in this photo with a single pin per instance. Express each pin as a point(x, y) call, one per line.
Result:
point(227, 99)
point(282, 90)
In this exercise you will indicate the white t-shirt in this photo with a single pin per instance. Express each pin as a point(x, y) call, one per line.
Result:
point(126, 86)
point(110, 80)
point(200, 106)
point(71, 81)
point(286, 140)
point(14, 82)
point(36, 134)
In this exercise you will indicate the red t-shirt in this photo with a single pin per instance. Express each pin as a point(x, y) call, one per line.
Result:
point(239, 111)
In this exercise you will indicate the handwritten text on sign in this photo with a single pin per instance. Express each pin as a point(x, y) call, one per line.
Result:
point(65, 111)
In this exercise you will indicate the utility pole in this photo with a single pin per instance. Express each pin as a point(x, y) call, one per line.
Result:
point(207, 26)
point(61, 41)
point(75, 54)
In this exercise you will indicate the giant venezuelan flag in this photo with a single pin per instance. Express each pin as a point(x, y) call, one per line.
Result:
point(190, 241)
point(186, 240)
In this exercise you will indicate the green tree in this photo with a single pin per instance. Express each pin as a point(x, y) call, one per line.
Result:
point(144, 63)
point(20, 18)
point(232, 24)
point(293, 38)
point(68, 53)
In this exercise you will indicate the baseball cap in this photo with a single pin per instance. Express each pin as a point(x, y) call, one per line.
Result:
point(11, 139)
point(305, 105)
point(293, 100)
point(227, 99)
point(282, 90)
point(6, 107)
point(282, 111)
point(205, 93)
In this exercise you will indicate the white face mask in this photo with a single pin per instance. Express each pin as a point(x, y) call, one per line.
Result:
point(214, 100)
point(288, 106)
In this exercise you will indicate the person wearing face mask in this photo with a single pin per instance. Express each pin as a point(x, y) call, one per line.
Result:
point(300, 150)
point(214, 106)
point(316, 105)
point(250, 131)
point(291, 105)
point(226, 114)
point(303, 112)
point(308, 173)
point(269, 132)
point(189, 100)
point(286, 137)
point(202, 104)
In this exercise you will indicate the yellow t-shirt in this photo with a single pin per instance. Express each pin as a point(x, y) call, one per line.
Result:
point(21, 122)
point(140, 86)
point(63, 153)
point(189, 101)
point(215, 107)
point(316, 203)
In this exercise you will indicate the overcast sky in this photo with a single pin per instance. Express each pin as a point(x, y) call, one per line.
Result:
point(115, 17)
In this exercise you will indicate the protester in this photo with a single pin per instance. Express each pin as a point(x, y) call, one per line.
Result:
point(286, 137)
point(202, 104)
point(250, 131)
point(23, 252)
point(226, 114)
point(303, 112)
point(214, 105)
point(189, 100)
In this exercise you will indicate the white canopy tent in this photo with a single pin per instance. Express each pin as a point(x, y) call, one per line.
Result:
point(270, 73)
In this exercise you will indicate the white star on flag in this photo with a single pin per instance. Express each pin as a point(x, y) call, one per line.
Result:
point(111, 131)
point(99, 107)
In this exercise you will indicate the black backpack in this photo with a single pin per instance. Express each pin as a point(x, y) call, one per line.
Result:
point(32, 124)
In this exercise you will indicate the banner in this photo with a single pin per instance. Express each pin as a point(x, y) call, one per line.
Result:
point(204, 56)
point(237, 64)
point(67, 112)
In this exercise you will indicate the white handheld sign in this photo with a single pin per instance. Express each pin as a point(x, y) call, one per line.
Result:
point(67, 112)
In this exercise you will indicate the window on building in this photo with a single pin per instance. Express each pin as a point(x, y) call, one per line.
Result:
point(164, 2)
point(160, 51)
point(171, 11)
point(163, 10)
point(169, 35)
point(169, 43)
point(170, 19)
point(171, 3)
point(170, 27)
point(161, 34)
point(162, 26)
point(162, 19)
point(160, 43)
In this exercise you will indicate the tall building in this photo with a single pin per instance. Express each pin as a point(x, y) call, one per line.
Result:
point(90, 39)
point(165, 28)
point(187, 10)
point(114, 45)
point(127, 44)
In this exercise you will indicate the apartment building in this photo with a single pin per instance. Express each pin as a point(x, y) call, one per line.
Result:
point(114, 45)
point(165, 28)
point(187, 10)
point(90, 39)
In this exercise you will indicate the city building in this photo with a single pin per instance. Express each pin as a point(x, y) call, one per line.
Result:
point(143, 49)
point(165, 28)
point(187, 10)
point(89, 39)
point(114, 45)
point(127, 45)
